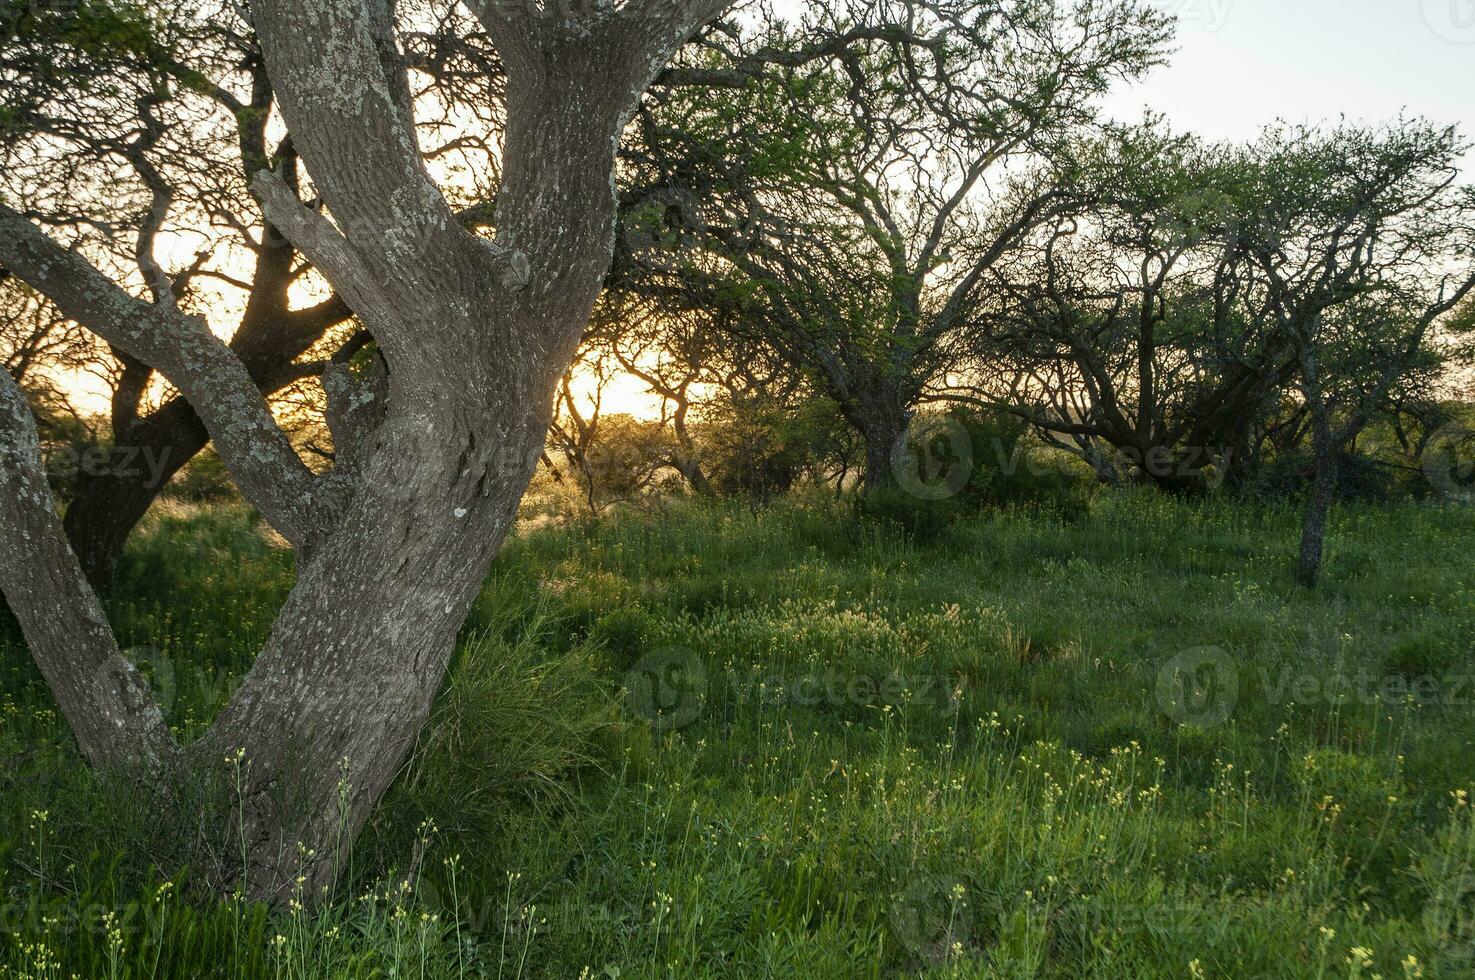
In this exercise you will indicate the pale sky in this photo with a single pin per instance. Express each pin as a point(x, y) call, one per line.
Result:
point(1244, 63)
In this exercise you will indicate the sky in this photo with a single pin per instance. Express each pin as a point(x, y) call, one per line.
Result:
point(1242, 64)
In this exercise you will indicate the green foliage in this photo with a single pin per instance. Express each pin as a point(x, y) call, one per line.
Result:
point(628, 458)
point(758, 449)
point(893, 508)
point(515, 726)
point(1011, 470)
point(67, 49)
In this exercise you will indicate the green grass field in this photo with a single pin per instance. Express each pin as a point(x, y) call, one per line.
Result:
point(718, 744)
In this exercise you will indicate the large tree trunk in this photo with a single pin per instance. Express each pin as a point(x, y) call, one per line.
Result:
point(348, 676)
point(394, 543)
point(878, 476)
point(890, 461)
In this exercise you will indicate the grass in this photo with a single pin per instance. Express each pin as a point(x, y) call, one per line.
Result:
point(718, 744)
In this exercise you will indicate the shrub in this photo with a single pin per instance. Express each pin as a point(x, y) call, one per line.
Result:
point(516, 724)
point(1359, 478)
point(1004, 471)
point(752, 449)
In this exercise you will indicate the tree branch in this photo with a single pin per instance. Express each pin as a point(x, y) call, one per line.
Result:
point(105, 700)
point(211, 378)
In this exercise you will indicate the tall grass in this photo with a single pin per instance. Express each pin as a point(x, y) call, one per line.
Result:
point(719, 744)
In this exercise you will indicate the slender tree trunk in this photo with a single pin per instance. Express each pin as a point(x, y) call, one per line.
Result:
point(687, 461)
point(1324, 451)
point(690, 469)
point(1314, 523)
point(105, 700)
point(1323, 480)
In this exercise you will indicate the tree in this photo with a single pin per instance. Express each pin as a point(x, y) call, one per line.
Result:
point(693, 364)
point(1359, 241)
point(857, 180)
point(394, 541)
point(1121, 325)
point(617, 458)
point(36, 342)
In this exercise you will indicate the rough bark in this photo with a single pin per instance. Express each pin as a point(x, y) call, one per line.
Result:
point(882, 421)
